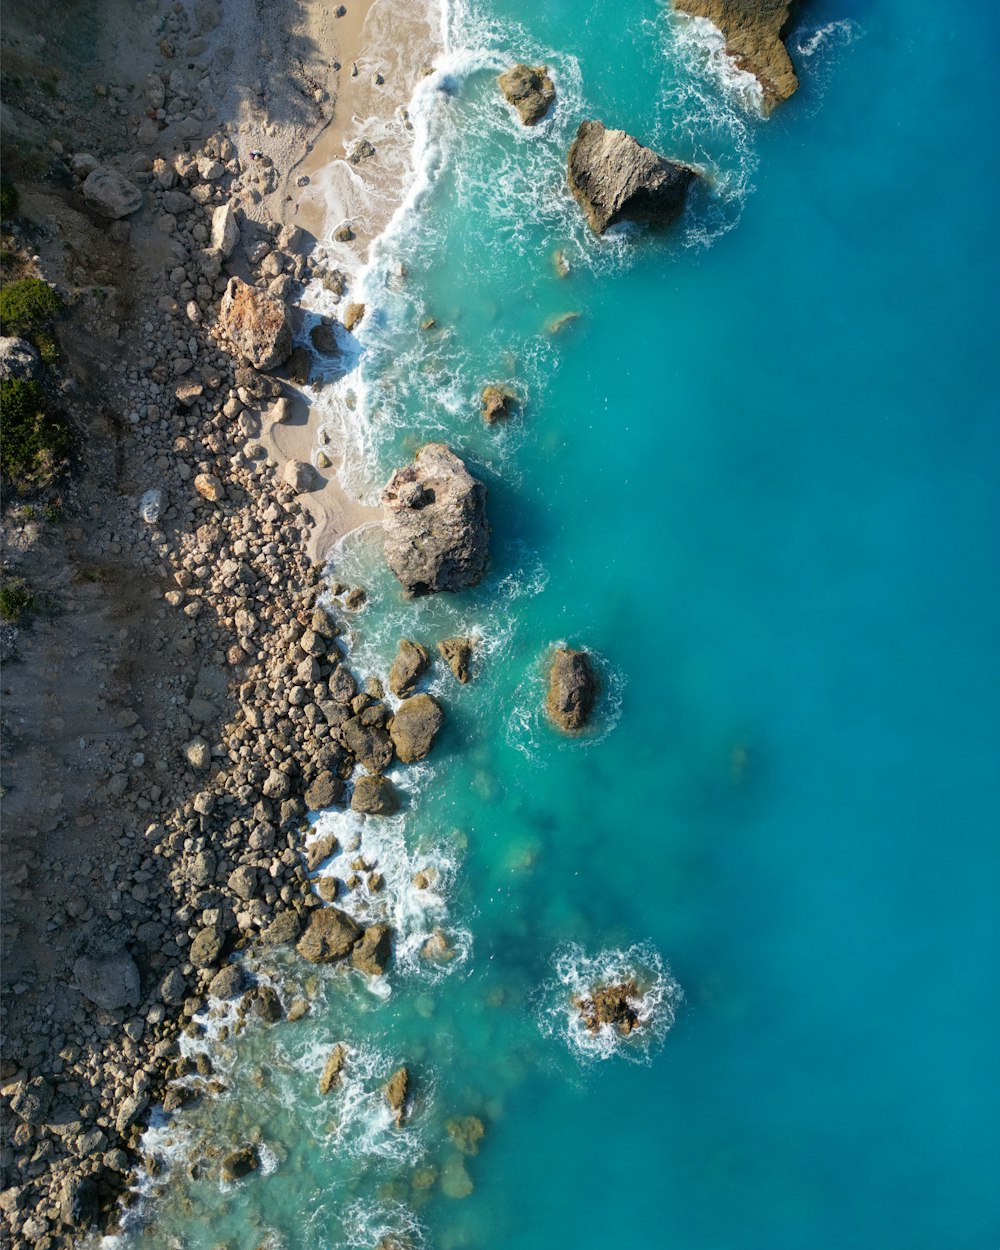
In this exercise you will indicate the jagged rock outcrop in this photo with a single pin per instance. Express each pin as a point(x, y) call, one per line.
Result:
point(529, 89)
point(374, 796)
point(436, 533)
point(332, 1068)
point(371, 954)
point(457, 654)
point(614, 178)
point(572, 689)
point(18, 359)
point(754, 31)
point(414, 727)
point(408, 667)
point(610, 1004)
point(496, 404)
point(330, 934)
point(110, 194)
point(256, 325)
point(396, 1090)
point(240, 1163)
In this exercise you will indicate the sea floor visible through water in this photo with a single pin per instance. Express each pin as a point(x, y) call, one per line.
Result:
point(754, 472)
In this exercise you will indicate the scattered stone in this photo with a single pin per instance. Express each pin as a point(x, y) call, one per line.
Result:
point(209, 487)
point(225, 230)
point(372, 953)
point(198, 754)
point(572, 689)
point(283, 929)
point(530, 90)
point(330, 934)
point(256, 324)
point(343, 233)
point(299, 476)
point(408, 667)
point(267, 1004)
point(414, 726)
point(207, 947)
point(613, 178)
point(111, 195)
point(31, 1100)
point(324, 339)
point(228, 983)
point(457, 654)
point(325, 791)
point(151, 506)
point(110, 982)
point(436, 532)
point(374, 796)
point(360, 150)
point(130, 1111)
point(437, 949)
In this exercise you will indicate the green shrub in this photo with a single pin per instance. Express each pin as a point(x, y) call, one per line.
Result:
point(28, 306)
point(35, 440)
point(16, 600)
point(8, 199)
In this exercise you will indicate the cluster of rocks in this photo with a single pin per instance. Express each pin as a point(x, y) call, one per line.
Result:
point(610, 1005)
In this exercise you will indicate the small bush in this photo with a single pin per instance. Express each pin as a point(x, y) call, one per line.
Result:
point(35, 440)
point(16, 600)
point(28, 307)
point(8, 199)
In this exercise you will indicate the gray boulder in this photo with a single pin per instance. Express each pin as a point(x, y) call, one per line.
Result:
point(18, 359)
point(109, 982)
point(436, 533)
point(614, 178)
point(110, 194)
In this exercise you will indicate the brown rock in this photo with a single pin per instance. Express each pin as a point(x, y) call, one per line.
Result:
point(753, 30)
point(370, 745)
point(396, 1090)
point(610, 1004)
point(408, 667)
point(436, 532)
point(240, 1163)
point(414, 727)
point(330, 934)
point(529, 89)
point(613, 178)
point(457, 654)
point(333, 1068)
point(373, 952)
point(353, 314)
point(374, 796)
point(467, 1132)
point(572, 690)
point(256, 325)
point(325, 791)
point(496, 404)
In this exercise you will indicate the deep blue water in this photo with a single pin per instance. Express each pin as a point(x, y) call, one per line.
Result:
point(758, 478)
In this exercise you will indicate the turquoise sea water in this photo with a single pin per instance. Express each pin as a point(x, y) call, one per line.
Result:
point(757, 477)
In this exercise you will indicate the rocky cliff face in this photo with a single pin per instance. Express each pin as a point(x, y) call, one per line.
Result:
point(753, 30)
point(436, 532)
point(614, 178)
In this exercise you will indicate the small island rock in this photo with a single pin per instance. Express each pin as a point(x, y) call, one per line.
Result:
point(408, 667)
point(436, 532)
point(614, 178)
point(572, 689)
point(457, 654)
point(529, 89)
point(754, 31)
point(396, 1090)
point(330, 934)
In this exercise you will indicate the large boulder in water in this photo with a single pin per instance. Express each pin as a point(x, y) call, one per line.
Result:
point(610, 1004)
point(572, 689)
point(614, 178)
point(414, 726)
point(408, 667)
point(529, 88)
point(109, 982)
point(436, 533)
point(372, 953)
point(753, 31)
point(256, 325)
point(330, 935)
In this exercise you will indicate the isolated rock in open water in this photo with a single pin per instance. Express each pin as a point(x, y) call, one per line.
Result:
point(572, 689)
point(529, 88)
point(614, 178)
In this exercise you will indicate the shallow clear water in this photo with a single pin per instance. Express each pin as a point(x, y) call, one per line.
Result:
point(757, 477)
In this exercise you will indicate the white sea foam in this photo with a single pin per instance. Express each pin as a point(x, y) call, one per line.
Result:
point(575, 976)
point(832, 35)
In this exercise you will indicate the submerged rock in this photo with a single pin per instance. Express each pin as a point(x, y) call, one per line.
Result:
point(330, 934)
point(436, 532)
point(529, 89)
point(572, 689)
point(414, 727)
point(408, 667)
point(396, 1090)
point(455, 1180)
point(372, 953)
point(457, 654)
point(256, 324)
point(332, 1068)
point(466, 1132)
point(754, 31)
point(610, 1004)
point(614, 178)
point(374, 796)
